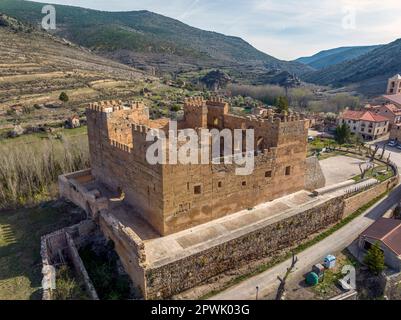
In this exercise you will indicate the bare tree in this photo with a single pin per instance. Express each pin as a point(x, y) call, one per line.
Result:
point(281, 287)
point(384, 150)
point(374, 152)
point(364, 170)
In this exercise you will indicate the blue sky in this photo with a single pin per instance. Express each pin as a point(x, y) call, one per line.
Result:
point(286, 29)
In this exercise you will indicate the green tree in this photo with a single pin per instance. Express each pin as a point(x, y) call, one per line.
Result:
point(64, 97)
point(374, 259)
point(282, 104)
point(343, 133)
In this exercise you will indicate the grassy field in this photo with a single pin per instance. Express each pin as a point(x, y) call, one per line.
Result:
point(20, 232)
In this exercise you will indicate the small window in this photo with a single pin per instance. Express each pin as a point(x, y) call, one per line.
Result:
point(243, 183)
point(287, 171)
point(220, 184)
point(268, 174)
point(198, 189)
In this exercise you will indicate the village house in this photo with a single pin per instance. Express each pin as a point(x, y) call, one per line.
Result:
point(387, 110)
point(387, 233)
point(72, 122)
point(366, 124)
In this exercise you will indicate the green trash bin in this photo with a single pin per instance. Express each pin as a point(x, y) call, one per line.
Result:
point(312, 279)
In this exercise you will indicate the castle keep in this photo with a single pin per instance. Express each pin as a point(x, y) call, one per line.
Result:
point(175, 197)
point(175, 226)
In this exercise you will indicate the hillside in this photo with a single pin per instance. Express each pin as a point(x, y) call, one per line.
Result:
point(327, 58)
point(36, 67)
point(154, 42)
point(368, 73)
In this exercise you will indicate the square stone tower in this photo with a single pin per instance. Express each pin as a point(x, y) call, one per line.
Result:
point(394, 85)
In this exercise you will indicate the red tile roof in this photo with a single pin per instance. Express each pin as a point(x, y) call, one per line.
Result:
point(363, 115)
point(395, 98)
point(388, 231)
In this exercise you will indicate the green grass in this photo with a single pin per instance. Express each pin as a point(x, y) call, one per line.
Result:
point(298, 249)
point(374, 173)
point(327, 287)
point(77, 133)
point(20, 261)
point(68, 286)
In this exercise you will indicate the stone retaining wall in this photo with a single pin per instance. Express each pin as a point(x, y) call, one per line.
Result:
point(170, 279)
point(356, 201)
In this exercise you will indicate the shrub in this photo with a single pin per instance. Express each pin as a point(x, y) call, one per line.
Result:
point(64, 97)
point(374, 259)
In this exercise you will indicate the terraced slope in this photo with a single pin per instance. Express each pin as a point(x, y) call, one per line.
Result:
point(36, 67)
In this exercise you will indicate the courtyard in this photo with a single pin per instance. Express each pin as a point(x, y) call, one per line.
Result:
point(340, 168)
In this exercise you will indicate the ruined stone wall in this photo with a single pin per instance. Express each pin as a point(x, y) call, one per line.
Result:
point(66, 241)
point(314, 177)
point(267, 241)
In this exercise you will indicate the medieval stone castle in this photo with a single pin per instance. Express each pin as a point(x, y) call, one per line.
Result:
point(175, 197)
point(174, 226)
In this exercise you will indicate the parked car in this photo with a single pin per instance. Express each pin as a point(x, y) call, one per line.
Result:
point(399, 146)
point(392, 143)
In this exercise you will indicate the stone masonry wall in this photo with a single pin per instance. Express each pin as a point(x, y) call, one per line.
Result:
point(170, 279)
point(314, 177)
point(65, 241)
point(176, 197)
point(355, 202)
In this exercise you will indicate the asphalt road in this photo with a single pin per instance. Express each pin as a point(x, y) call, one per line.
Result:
point(267, 281)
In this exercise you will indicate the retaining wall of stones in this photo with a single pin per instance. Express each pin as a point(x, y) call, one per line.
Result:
point(267, 241)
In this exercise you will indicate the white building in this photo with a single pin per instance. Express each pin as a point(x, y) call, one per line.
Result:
point(366, 124)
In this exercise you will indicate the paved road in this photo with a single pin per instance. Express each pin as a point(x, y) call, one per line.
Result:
point(267, 281)
point(395, 153)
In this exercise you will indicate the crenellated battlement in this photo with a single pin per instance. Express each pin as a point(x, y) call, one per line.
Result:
point(121, 146)
point(194, 102)
point(217, 102)
point(109, 106)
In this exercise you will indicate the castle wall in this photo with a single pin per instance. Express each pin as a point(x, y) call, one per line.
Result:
point(123, 167)
point(129, 247)
point(200, 193)
point(263, 242)
point(314, 176)
point(175, 197)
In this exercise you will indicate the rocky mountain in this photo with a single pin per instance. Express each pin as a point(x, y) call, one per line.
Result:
point(155, 43)
point(327, 58)
point(367, 74)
